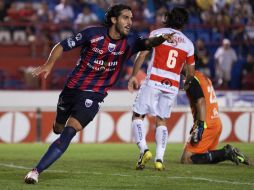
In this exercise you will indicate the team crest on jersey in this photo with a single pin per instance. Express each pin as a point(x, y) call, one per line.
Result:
point(78, 36)
point(111, 47)
point(88, 103)
point(71, 43)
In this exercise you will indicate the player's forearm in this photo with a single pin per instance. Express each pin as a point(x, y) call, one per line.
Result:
point(148, 43)
point(138, 62)
point(190, 73)
point(55, 54)
point(201, 109)
point(154, 41)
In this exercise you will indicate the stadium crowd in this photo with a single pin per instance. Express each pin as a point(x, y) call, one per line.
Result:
point(222, 30)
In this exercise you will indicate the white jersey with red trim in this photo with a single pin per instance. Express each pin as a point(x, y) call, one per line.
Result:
point(167, 61)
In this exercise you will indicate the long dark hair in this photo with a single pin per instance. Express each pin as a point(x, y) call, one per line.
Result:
point(114, 11)
point(176, 18)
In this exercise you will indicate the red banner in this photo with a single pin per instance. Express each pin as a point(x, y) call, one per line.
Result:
point(16, 127)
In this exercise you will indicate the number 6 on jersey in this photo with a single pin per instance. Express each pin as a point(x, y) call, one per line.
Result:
point(171, 61)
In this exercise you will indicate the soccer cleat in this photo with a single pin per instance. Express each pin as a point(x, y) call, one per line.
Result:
point(32, 177)
point(143, 159)
point(241, 157)
point(231, 154)
point(158, 165)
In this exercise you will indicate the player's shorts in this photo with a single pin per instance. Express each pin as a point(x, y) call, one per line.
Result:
point(210, 140)
point(154, 102)
point(81, 105)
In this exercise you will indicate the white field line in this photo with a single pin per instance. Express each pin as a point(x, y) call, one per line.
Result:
point(127, 175)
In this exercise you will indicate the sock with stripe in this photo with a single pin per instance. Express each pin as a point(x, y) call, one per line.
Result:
point(56, 149)
point(161, 138)
point(139, 132)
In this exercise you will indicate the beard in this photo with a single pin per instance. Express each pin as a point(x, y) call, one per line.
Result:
point(120, 30)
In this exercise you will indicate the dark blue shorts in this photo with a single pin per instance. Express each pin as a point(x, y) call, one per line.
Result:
point(81, 105)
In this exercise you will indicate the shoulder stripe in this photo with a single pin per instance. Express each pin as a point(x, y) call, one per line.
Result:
point(197, 79)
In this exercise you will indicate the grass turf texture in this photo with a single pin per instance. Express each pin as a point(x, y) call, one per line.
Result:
point(111, 166)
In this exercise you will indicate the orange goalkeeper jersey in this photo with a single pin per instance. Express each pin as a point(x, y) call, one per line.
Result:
point(212, 113)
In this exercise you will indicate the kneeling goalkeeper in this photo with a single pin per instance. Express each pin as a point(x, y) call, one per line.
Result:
point(205, 133)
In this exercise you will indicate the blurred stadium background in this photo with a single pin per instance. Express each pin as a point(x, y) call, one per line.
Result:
point(29, 29)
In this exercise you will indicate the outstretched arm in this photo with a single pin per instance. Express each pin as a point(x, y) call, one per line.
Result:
point(133, 82)
point(148, 43)
point(54, 55)
point(155, 41)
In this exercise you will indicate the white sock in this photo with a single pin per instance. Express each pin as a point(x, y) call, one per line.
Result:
point(161, 138)
point(139, 132)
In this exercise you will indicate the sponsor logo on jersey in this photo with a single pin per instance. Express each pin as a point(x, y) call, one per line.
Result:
point(111, 47)
point(97, 39)
point(171, 89)
point(166, 82)
point(177, 40)
point(100, 65)
point(105, 63)
point(112, 63)
point(88, 103)
point(117, 52)
point(100, 68)
point(71, 43)
point(215, 114)
point(99, 62)
point(78, 36)
point(97, 50)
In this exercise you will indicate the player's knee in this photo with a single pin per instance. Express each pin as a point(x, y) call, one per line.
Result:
point(74, 123)
point(160, 121)
point(58, 128)
point(137, 116)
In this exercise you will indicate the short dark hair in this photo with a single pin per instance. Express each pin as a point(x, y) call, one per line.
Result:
point(176, 18)
point(114, 11)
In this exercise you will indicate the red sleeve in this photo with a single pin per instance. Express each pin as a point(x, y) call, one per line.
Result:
point(190, 60)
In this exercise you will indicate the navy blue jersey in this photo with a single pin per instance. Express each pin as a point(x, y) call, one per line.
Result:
point(101, 58)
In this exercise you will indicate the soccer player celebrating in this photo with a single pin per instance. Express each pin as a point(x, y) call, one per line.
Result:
point(157, 94)
point(104, 51)
point(206, 130)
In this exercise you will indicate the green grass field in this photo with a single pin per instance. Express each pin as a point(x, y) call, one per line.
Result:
point(111, 166)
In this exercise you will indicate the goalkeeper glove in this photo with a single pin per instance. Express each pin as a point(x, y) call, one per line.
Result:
point(197, 132)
